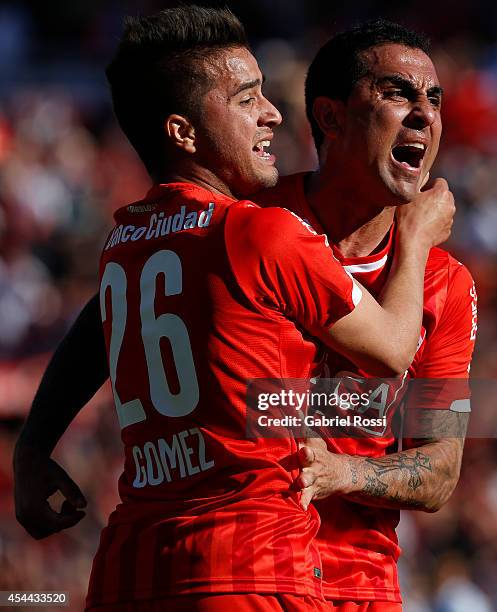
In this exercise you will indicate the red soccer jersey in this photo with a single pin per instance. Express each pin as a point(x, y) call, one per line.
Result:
point(358, 544)
point(200, 293)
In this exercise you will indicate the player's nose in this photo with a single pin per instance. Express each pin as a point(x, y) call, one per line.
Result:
point(270, 116)
point(422, 114)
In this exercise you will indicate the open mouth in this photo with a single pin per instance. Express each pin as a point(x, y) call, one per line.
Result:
point(409, 155)
point(260, 147)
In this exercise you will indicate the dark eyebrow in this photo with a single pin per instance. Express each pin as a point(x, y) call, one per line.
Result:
point(405, 84)
point(435, 91)
point(248, 85)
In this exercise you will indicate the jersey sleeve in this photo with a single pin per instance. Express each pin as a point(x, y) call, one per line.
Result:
point(441, 381)
point(449, 351)
point(284, 267)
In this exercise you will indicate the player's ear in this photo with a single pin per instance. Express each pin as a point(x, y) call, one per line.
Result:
point(180, 132)
point(329, 115)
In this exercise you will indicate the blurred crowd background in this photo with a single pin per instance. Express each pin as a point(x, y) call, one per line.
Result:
point(65, 167)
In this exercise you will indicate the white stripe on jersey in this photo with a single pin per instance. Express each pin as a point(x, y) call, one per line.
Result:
point(367, 267)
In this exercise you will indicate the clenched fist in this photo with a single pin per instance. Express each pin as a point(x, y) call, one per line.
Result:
point(428, 218)
point(36, 479)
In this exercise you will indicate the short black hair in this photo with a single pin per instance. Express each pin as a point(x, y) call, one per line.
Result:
point(160, 68)
point(338, 65)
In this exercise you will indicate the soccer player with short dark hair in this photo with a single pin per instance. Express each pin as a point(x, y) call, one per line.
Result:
point(373, 99)
point(201, 291)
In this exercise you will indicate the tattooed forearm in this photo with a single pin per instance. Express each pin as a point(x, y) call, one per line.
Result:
point(419, 478)
point(353, 472)
point(374, 487)
point(412, 465)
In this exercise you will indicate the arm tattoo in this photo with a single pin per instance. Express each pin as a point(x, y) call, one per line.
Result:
point(431, 425)
point(353, 472)
point(414, 466)
point(374, 487)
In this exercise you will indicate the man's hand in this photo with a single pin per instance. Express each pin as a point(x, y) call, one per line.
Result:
point(428, 218)
point(323, 473)
point(421, 478)
point(36, 479)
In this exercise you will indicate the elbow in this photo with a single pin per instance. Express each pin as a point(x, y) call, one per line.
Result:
point(393, 367)
point(400, 361)
point(449, 475)
point(396, 370)
point(434, 505)
point(393, 360)
point(442, 496)
point(399, 355)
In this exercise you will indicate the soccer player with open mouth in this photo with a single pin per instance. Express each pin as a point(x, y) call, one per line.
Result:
point(373, 100)
point(200, 291)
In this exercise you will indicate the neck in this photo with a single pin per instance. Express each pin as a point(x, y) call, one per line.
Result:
point(193, 173)
point(355, 227)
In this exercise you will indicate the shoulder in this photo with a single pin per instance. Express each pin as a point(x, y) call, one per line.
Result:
point(451, 293)
point(271, 229)
point(458, 277)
